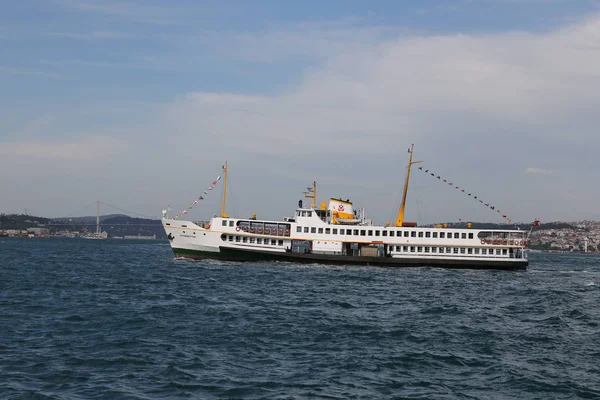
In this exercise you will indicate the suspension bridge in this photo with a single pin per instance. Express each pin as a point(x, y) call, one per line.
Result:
point(135, 221)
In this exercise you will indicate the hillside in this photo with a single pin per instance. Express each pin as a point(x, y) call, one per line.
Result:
point(114, 225)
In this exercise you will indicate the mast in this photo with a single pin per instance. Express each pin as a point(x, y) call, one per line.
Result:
point(311, 193)
point(98, 217)
point(400, 217)
point(223, 214)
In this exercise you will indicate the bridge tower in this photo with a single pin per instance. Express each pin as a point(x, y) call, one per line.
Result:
point(98, 217)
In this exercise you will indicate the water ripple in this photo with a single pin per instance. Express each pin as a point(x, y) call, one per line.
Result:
point(124, 319)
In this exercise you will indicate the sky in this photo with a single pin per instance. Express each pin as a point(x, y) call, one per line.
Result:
point(139, 103)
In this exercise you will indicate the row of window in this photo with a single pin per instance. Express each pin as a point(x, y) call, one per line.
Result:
point(375, 232)
point(447, 250)
point(252, 240)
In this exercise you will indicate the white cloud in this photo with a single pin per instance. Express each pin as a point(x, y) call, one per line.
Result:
point(135, 11)
point(94, 35)
point(89, 148)
point(479, 107)
point(416, 85)
point(27, 71)
point(537, 171)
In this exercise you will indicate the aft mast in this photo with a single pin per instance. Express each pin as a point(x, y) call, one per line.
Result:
point(400, 218)
point(223, 214)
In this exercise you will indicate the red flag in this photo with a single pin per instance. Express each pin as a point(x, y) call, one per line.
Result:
point(536, 222)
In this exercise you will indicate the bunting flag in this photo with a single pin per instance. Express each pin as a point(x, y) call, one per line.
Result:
point(491, 207)
point(201, 197)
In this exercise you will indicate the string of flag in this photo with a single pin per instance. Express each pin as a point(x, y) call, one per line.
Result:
point(201, 197)
point(471, 195)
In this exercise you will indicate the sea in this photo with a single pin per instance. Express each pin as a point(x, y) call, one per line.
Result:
point(124, 319)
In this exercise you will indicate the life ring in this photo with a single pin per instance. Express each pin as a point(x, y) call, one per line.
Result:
point(251, 230)
point(259, 230)
point(482, 241)
point(237, 228)
point(245, 229)
point(287, 233)
point(496, 241)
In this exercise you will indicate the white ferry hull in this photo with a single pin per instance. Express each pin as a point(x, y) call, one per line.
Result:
point(194, 241)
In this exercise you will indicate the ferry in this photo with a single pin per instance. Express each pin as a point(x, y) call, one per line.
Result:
point(336, 233)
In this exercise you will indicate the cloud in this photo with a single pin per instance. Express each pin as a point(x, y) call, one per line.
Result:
point(479, 107)
point(89, 148)
point(447, 87)
point(26, 71)
point(537, 171)
point(94, 35)
point(36, 125)
point(136, 11)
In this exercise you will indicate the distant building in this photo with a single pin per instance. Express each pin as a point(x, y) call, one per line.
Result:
point(38, 231)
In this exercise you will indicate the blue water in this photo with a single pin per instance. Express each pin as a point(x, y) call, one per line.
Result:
point(83, 319)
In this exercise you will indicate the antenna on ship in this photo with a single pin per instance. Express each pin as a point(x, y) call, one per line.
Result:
point(223, 214)
point(311, 193)
point(400, 218)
